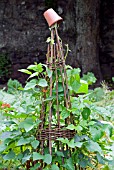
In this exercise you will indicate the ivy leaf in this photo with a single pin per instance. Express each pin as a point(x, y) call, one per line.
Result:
point(42, 83)
point(47, 158)
point(37, 156)
point(35, 143)
point(86, 113)
point(9, 156)
point(54, 167)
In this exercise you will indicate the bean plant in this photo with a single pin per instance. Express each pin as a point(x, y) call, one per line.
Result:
point(92, 145)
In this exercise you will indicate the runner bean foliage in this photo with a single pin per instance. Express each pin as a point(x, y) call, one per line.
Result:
point(92, 146)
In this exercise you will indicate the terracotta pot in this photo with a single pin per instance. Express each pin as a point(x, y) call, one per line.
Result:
point(52, 17)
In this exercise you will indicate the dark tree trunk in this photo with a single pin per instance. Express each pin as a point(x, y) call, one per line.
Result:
point(87, 42)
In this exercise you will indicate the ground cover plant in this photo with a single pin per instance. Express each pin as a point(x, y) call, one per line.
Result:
point(92, 146)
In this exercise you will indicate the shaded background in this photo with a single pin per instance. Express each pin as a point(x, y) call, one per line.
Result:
point(88, 28)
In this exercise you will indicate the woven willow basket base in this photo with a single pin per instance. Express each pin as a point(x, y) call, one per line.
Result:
point(54, 134)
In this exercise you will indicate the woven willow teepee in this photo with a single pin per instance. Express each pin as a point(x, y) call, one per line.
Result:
point(48, 133)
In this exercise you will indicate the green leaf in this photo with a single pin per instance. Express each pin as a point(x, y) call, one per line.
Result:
point(49, 72)
point(91, 123)
point(27, 124)
point(32, 67)
point(42, 83)
point(33, 75)
point(93, 146)
point(108, 128)
point(78, 128)
point(60, 87)
point(25, 158)
point(75, 85)
point(96, 133)
point(60, 153)
point(35, 167)
point(84, 162)
point(7, 141)
point(76, 72)
point(68, 67)
point(63, 140)
point(2, 147)
point(9, 156)
point(25, 71)
point(37, 156)
point(84, 123)
point(13, 86)
point(65, 113)
point(90, 78)
point(31, 84)
point(48, 99)
point(54, 167)
point(37, 67)
point(69, 164)
point(86, 113)
point(35, 143)
point(48, 40)
point(73, 144)
point(22, 141)
point(70, 127)
point(100, 159)
point(48, 158)
point(106, 168)
point(83, 88)
point(78, 144)
point(19, 156)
